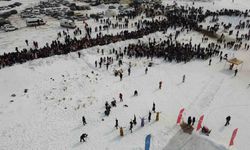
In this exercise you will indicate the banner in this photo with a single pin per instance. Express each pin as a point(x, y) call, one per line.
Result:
point(180, 116)
point(147, 142)
point(200, 122)
point(233, 137)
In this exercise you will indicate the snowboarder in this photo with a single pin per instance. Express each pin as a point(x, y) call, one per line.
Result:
point(120, 96)
point(189, 120)
point(228, 120)
point(116, 123)
point(153, 109)
point(193, 121)
point(146, 70)
point(129, 71)
point(135, 93)
point(183, 78)
point(134, 120)
point(131, 126)
point(149, 116)
point(83, 121)
point(160, 84)
point(210, 60)
point(83, 136)
point(235, 72)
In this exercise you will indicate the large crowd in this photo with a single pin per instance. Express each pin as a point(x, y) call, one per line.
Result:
point(187, 18)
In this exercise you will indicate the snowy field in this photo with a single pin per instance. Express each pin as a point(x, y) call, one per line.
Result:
point(62, 89)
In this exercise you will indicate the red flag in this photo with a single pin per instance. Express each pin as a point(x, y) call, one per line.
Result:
point(180, 115)
point(200, 122)
point(233, 137)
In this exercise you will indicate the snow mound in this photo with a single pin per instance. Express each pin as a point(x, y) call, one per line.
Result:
point(184, 141)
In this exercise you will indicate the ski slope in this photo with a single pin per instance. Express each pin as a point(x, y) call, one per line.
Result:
point(61, 89)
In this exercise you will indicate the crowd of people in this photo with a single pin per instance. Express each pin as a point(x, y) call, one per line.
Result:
point(185, 17)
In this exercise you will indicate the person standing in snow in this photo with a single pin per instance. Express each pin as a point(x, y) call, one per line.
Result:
point(96, 64)
point(146, 70)
point(193, 121)
point(131, 126)
point(116, 123)
point(210, 60)
point(27, 42)
point(120, 76)
point(149, 116)
point(183, 78)
point(134, 120)
point(160, 84)
point(83, 121)
point(153, 109)
point(120, 96)
point(235, 72)
point(79, 54)
point(129, 71)
point(228, 120)
point(135, 93)
point(189, 120)
point(142, 122)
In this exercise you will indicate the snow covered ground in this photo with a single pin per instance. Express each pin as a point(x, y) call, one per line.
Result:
point(61, 89)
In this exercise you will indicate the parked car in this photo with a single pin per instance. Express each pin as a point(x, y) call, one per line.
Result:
point(8, 28)
point(67, 23)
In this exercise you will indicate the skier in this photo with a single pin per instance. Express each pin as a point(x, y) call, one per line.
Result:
point(235, 72)
point(146, 70)
point(183, 78)
point(189, 120)
point(83, 121)
point(149, 116)
point(129, 71)
point(210, 60)
point(116, 123)
point(160, 84)
point(113, 103)
point(228, 120)
point(120, 96)
point(134, 120)
point(83, 136)
point(131, 126)
point(220, 58)
point(153, 109)
point(193, 121)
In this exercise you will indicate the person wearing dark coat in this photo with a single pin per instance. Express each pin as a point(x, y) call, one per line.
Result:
point(153, 109)
point(193, 121)
point(131, 126)
point(228, 120)
point(83, 136)
point(116, 123)
point(189, 120)
point(149, 116)
point(83, 121)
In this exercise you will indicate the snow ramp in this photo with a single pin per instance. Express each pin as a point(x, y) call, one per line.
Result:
point(184, 141)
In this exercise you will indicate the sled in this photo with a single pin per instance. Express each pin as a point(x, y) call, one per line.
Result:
point(186, 128)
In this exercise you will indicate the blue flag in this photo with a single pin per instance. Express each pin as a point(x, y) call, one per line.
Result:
point(147, 142)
